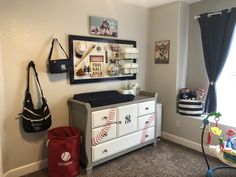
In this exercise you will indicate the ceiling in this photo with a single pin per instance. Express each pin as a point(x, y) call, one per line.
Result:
point(154, 3)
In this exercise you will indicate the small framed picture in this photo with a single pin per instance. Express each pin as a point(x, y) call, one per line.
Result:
point(103, 26)
point(96, 65)
point(162, 49)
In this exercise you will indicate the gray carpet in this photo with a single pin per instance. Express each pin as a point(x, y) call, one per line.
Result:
point(167, 159)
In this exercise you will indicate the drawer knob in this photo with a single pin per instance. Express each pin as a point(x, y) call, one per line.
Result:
point(147, 108)
point(105, 150)
point(105, 117)
point(146, 136)
point(146, 122)
point(119, 122)
point(105, 134)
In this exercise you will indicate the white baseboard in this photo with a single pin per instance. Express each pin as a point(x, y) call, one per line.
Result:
point(26, 169)
point(185, 142)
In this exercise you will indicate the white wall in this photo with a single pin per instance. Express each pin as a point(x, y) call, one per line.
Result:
point(27, 28)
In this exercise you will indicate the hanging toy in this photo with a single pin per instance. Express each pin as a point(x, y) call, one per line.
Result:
point(209, 138)
point(209, 135)
point(216, 131)
point(216, 120)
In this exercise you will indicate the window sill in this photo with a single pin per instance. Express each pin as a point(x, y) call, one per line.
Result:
point(221, 122)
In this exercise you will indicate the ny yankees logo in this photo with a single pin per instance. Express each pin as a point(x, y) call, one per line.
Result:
point(63, 67)
point(127, 119)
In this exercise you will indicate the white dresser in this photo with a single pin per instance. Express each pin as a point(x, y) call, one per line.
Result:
point(113, 130)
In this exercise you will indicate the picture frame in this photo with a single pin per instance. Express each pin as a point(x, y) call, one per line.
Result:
point(96, 65)
point(86, 53)
point(103, 26)
point(162, 50)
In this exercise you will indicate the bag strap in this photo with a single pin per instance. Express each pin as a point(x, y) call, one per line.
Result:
point(51, 50)
point(32, 65)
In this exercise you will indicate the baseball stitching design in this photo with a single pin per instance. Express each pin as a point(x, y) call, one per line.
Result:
point(147, 124)
point(65, 156)
point(104, 131)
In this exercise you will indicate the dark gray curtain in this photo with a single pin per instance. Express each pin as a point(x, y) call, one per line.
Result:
point(216, 31)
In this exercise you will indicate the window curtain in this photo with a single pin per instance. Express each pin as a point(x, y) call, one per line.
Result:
point(216, 32)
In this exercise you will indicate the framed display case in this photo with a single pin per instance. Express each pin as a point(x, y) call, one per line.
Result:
point(99, 59)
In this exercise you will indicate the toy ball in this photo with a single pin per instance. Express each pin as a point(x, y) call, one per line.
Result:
point(230, 132)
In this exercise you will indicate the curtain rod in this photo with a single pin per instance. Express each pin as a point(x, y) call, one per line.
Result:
point(209, 15)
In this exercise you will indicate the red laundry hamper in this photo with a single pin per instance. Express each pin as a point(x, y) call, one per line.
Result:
point(63, 152)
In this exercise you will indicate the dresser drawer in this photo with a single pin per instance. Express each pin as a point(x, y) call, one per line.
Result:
point(127, 119)
point(145, 122)
point(104, 133)
point(111, 147)
point(102, 117)
point(146, 135)
point(145, 108)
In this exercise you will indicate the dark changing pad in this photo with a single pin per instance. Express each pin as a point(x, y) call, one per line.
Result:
point(103, 98)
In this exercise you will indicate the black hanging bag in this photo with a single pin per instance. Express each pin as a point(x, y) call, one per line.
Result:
point(60, 65)
point(35, 120)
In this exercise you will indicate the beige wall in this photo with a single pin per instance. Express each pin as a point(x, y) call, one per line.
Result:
point(182, 47)
point(2, 107)
point(162, 77)
point(166, 79)
point(27, 27)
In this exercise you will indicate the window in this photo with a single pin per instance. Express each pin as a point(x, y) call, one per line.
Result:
point(226, 87)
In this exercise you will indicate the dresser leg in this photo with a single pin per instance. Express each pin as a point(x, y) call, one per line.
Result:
point(154, 143)
point(89, 170)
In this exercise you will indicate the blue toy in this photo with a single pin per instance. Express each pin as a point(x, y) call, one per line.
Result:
point(233, 143)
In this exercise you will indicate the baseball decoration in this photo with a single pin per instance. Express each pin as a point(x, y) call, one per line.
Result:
point(103, 26)
point(162, 52)
point(147, 125)
point(104, 131)
point(65, 156)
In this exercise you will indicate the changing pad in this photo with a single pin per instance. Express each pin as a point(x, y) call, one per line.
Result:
point(103, 98)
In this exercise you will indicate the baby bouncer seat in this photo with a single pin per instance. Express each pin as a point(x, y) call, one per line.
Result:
point(225, 150)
